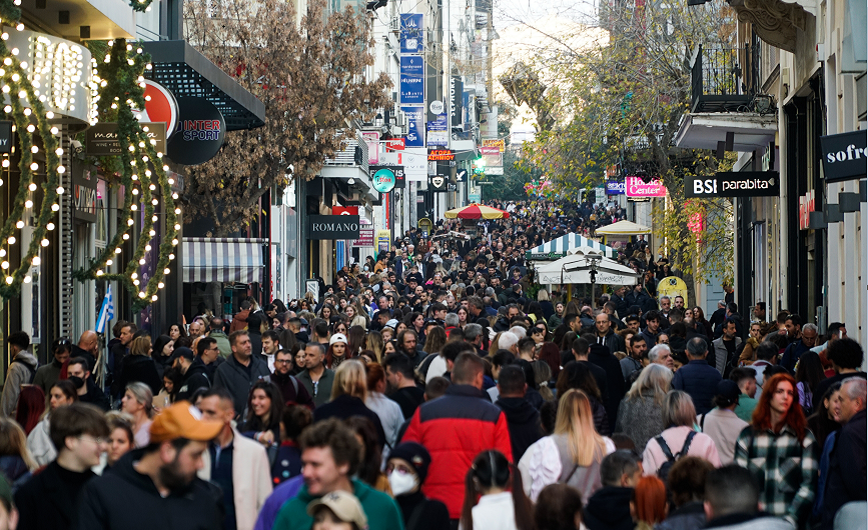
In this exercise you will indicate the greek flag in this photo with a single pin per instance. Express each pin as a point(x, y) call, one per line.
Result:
point(106, 312)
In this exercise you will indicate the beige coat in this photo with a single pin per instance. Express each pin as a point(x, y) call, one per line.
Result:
point(251, 478)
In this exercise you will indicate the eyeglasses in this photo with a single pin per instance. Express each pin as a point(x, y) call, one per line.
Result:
point(98, 441)
point(282, 361)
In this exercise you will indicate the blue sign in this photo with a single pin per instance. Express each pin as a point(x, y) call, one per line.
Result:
point(439, 124)
point(412, 79)
point(415, 126)
point(411, 33)
point(615, 187)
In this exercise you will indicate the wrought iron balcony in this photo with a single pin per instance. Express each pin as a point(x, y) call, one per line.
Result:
point(726, 80)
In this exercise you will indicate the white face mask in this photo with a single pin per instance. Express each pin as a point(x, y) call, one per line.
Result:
point(402, 483)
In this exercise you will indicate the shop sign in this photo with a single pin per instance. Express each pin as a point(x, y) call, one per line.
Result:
point(806, 207)
point(440, 155)
point(160, 106)
point(366, 238)
point(438, 183)
point(411, 33)
point(200, 132)
point(415, 126)
point(615, 187)
point(84, 197)
point(384, 178)
point(6, 139)
point(102, 139)
point(333, 227)
point(499, 144)
point(345, 210)
point(844, 155)
point(384, 240)
point(395, 144)
point(412, 80)
point(636, 187)
point(734, 184)
point(456, 91)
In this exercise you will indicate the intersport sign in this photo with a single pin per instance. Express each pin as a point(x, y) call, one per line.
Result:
point(734, 184)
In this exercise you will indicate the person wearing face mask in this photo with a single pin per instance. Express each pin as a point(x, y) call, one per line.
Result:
point(407, 469)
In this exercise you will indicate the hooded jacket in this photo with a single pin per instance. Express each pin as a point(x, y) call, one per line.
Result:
point(609, 509)
point(124, 498)
point(195, 378)
point(22, 371)
point(523, 422)
point(239, 379)
point(239, 321)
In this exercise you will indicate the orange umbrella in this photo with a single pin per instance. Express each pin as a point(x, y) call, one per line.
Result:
point(477, 211)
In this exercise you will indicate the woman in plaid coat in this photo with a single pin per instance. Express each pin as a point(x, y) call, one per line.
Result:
point(778, 448)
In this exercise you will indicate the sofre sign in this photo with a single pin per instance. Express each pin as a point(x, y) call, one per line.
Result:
point(333, 227)
point(844, 155)
point(734, 184)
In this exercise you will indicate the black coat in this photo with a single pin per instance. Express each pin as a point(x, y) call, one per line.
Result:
point(523, 422)
point(48, 500)
point(609, 509)
point(846, 479)
point(432, 514)
point(347, 406)
point(615, 385)
point(123, 498)
point(142, 369)
point(95, 396)
point(195, 378)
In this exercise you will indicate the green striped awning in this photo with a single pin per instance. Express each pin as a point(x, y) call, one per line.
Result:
point(558, 248)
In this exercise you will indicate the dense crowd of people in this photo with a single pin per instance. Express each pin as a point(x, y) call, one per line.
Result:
point(439, 387)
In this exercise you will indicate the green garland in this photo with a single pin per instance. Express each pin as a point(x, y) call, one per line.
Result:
point(123, 73)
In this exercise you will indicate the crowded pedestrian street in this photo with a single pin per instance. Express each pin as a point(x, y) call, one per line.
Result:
point(433, 265)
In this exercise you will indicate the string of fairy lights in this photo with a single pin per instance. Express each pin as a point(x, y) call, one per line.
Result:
point(117, 88)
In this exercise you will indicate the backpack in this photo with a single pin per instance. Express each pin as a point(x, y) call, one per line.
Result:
point(663, 472)
point(30, 369)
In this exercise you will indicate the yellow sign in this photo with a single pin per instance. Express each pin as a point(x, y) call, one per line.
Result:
point(672, 286)
point(500, 144)
point(384, 240)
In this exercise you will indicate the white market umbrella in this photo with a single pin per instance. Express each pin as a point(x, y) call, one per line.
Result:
point(575, 269)
point(623, 228)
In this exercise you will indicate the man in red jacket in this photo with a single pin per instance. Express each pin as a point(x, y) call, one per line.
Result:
point(455, 428)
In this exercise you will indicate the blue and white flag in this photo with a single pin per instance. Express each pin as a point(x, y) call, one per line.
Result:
point(106, 312)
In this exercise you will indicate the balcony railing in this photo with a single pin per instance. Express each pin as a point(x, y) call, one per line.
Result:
point(725, 79)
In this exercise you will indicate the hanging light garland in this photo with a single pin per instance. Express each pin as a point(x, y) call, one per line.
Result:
point(26, 121)
point(118, 86)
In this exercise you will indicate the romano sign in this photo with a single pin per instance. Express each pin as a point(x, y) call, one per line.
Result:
point(844, 155)
point(333, 227)
point(737, 184)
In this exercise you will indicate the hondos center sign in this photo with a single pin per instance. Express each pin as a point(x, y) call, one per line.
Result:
point(333, 227)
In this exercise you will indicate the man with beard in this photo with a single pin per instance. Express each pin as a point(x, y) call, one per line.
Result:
point(290, 388)
point(156, 486)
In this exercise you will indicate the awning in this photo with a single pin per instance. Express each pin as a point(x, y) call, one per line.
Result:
point(209, 259)
point(575, 269)
point(187, 73)
point(559, 248)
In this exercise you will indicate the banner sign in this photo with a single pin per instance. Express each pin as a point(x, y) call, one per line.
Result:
point(384, 240)
point(333, 227)
point(345, 210)
point(102, 139)
point(499, 144)
point(734, 184)
point(385, 178)
point(415, 126)
point(366, 238)
point(414, 164)
point(491, 156)
point(456, 91)
point(440, 154)
point(411, 33)
point(413, 80)
point(200, 131)
point(615, 187)
point(844, 155)
point(635, 187)
point(395, 144)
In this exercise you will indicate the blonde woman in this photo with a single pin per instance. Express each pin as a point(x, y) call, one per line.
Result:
point(138, 402)
point(375, 344)
point(349, 392)
point(640, 414)
point(571, 455)
point(15, 459)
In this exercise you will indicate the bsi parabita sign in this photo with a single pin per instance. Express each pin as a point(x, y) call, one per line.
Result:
point(332, 227)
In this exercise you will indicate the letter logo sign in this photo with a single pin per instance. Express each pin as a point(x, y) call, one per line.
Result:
point(383, 178)
point(734, 184)
point(844, 156)
point(162, 106)
point(636, 187)
point(333, 227)
point(200, 131)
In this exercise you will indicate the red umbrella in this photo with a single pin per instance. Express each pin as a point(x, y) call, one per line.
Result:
point(477, 211)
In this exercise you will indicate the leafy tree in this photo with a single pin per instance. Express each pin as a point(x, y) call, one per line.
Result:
point(620, 103)
point(311, 78)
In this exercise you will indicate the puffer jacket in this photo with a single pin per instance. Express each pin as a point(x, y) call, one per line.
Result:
point(455, 428)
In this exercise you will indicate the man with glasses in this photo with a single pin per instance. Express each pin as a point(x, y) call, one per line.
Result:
point(289, 386)
point(804, 343)
point(50, 499)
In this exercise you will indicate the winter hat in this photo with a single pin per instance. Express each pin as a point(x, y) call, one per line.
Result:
point(414, 454)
